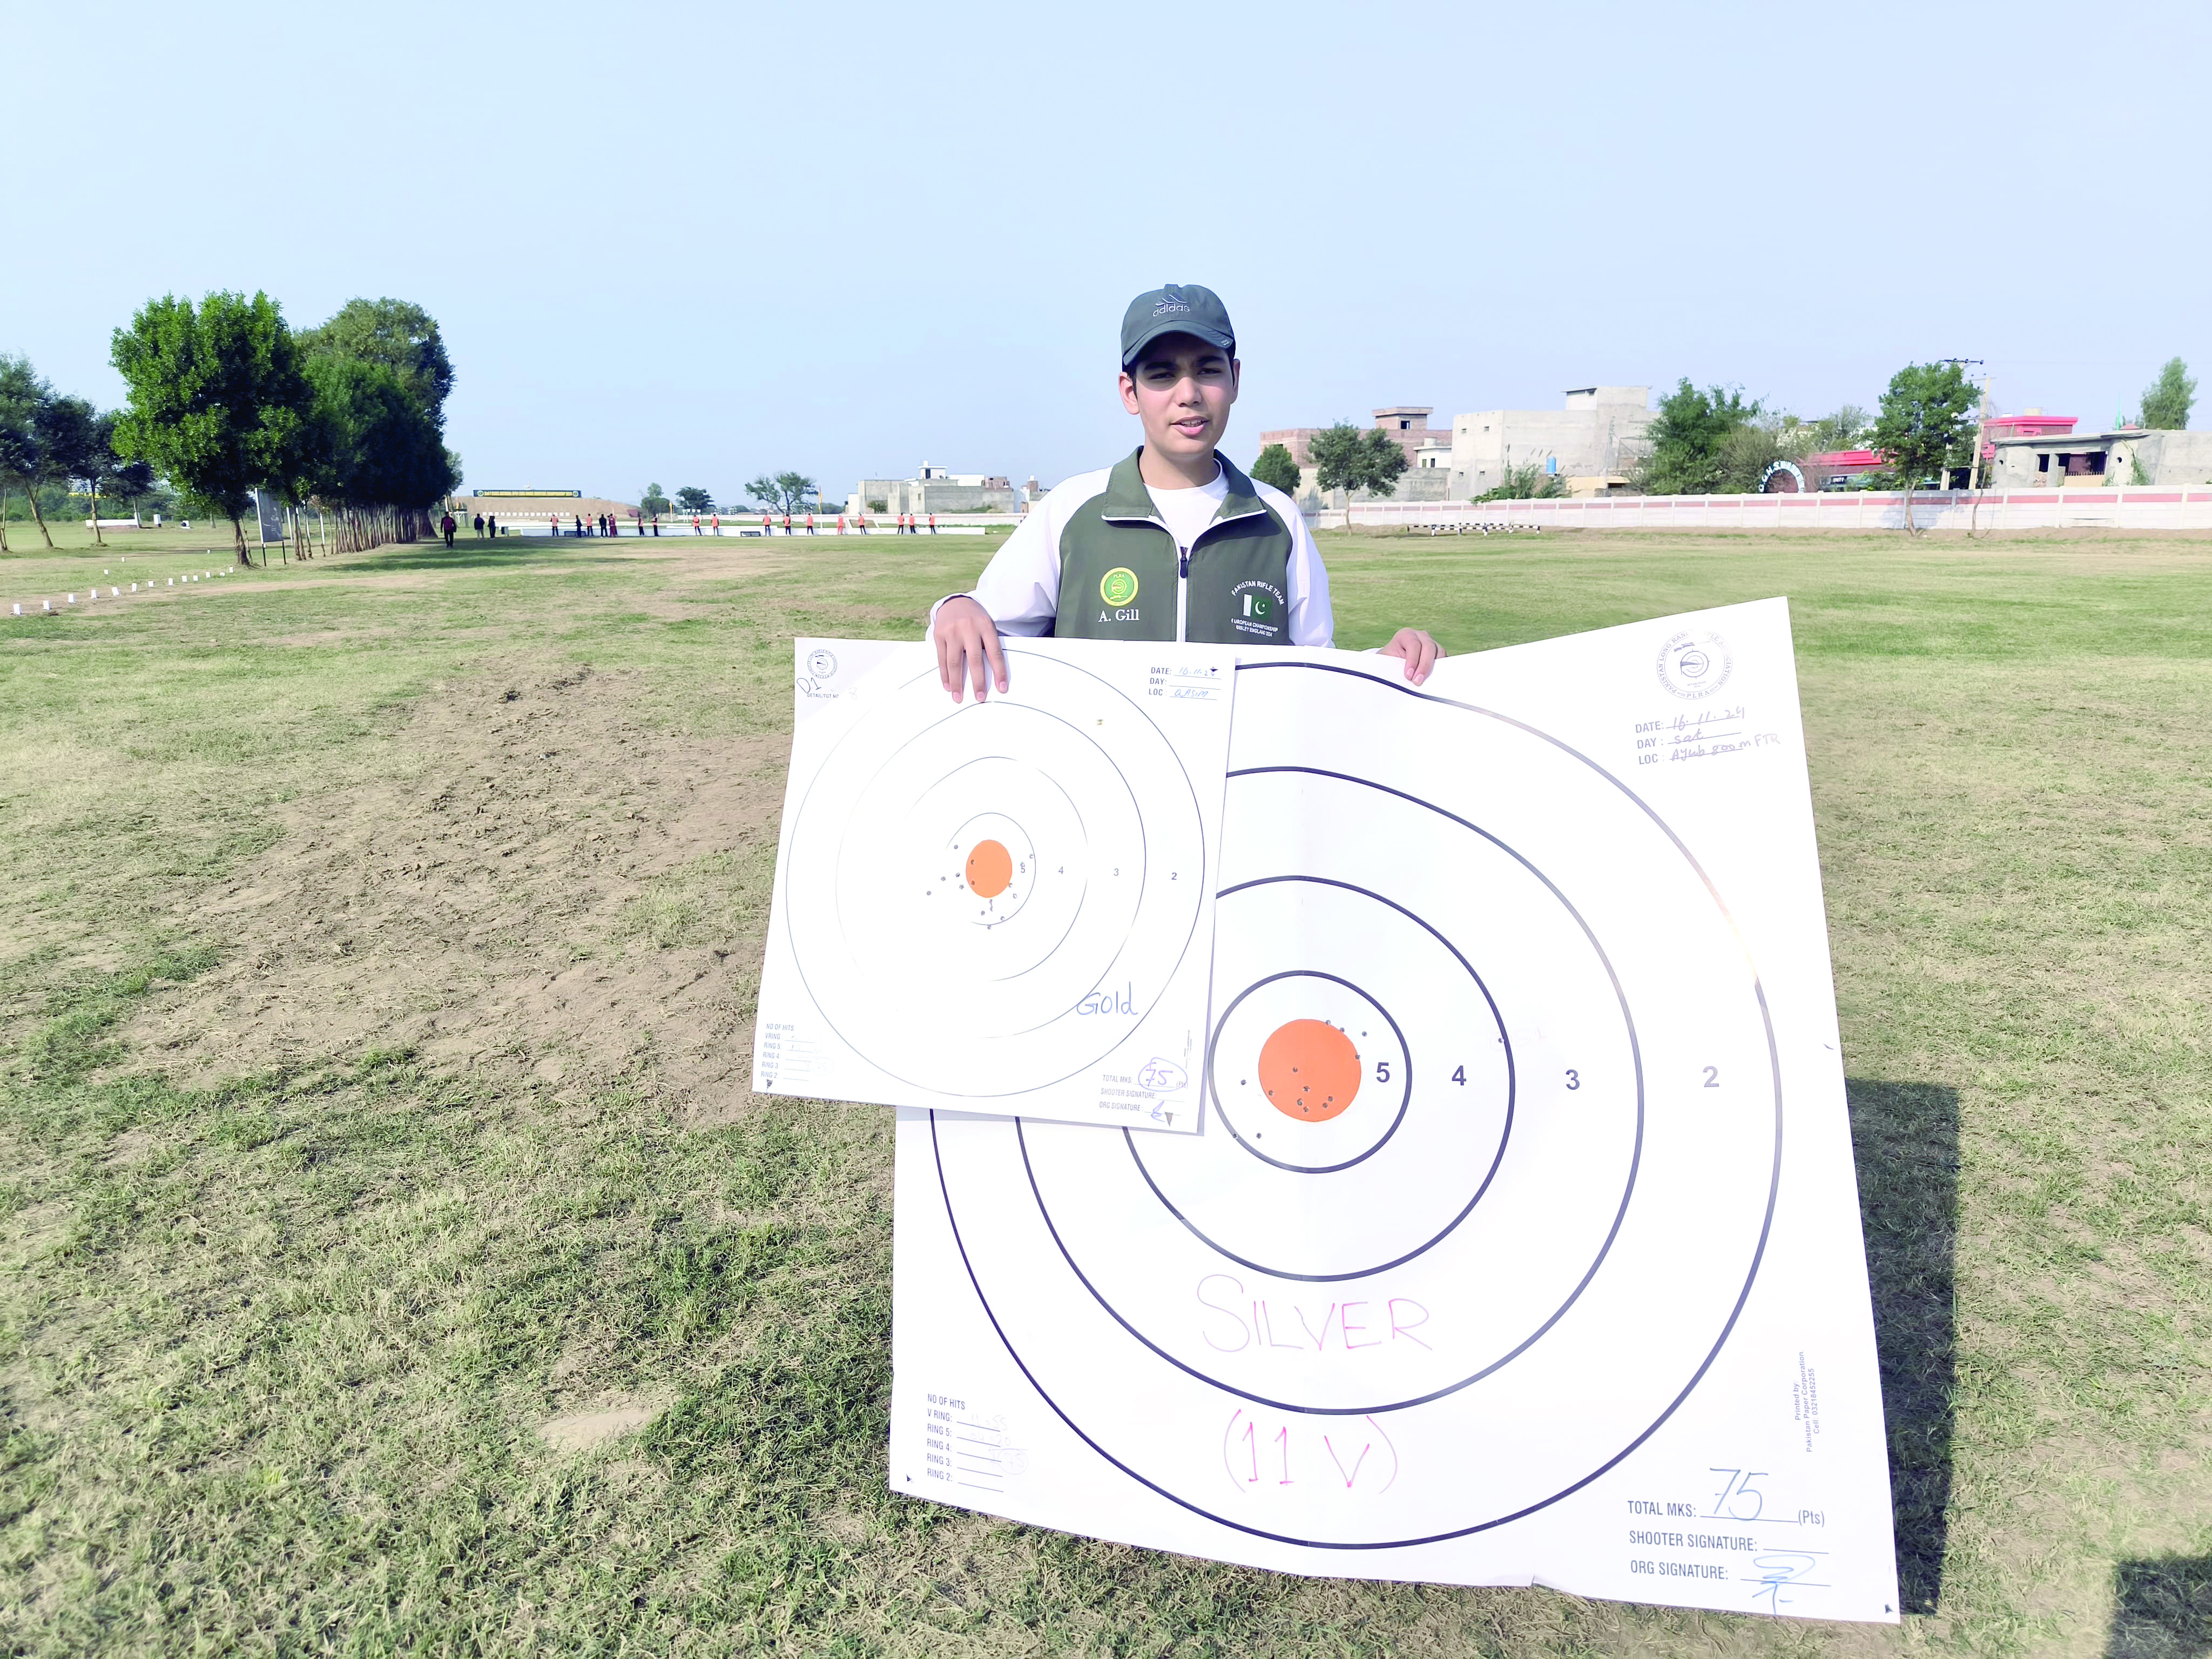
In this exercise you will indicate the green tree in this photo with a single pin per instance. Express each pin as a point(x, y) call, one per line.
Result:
point(1275, 466)
point(24, 396)
point(787, 492)
point(378, 451)
point(218, 397)
point(1687, 439)
point(1841, 430)
point(1348, 457)
point(79, 447)
point(692, 499)
point(1528, 482)
point(379, 455)
point(1746, 453)
point(652, 504)
point(131, 481)
point(2166, 401)
point(397, 333)
point(1928, 415)
point(70, 440)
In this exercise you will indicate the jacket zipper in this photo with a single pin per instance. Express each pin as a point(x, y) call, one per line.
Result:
point(1182, 577)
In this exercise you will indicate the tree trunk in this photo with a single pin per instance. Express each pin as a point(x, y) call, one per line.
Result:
point(1908, 507)
point(4, 521)
point(34, 493)
point(98, 540)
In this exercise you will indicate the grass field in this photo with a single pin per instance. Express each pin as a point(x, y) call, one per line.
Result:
point(393, 1257)
point(72, 538)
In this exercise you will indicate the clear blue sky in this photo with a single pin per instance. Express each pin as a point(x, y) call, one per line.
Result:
point(691, 243)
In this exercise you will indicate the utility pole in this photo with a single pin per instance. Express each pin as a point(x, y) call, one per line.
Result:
point(1981, 434)
point(1974, 476)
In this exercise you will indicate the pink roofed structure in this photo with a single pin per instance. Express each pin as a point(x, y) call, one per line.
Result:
point(2033, 425)
point(1836, 464)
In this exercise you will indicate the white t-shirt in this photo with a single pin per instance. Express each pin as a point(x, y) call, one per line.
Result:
point(1188, 512)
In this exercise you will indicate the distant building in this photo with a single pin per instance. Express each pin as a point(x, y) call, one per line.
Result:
point(1833, 468)
point(2034, 450)
point(1406, 425)
point(2029, 423)
point(1594, 440)
point(934, 489)
point(2058, 455)
point(524, 508)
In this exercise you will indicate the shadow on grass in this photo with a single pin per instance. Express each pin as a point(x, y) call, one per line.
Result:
point(2162, 1609)
point(1906, 1137)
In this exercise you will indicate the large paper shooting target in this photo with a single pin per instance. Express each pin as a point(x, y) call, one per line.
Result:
point(986, 899)
point(1477, 1052)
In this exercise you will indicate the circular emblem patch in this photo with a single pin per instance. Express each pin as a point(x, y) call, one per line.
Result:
point(1118, 586)
point(1695, 663)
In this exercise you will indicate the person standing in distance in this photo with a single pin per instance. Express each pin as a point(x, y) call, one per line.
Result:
point(1171, 542)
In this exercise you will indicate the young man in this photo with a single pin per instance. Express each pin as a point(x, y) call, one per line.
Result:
point(1173, 543)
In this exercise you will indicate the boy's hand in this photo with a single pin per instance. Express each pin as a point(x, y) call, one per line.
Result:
point(968, 648)
point(1420, 651)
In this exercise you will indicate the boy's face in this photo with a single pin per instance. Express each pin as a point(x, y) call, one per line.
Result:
point(1182, 388)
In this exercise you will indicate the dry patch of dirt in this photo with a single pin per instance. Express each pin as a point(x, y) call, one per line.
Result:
point(469, 902)
point(581, 1432)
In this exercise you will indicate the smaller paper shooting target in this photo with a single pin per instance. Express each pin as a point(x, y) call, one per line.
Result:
point(1493, 1141)
point(985, 899)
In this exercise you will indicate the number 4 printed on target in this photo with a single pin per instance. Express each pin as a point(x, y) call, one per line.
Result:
point(1002, 906)
point(1506, 1027)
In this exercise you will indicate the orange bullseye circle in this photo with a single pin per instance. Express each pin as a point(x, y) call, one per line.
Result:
point(1309, 1070)
point(990, 867)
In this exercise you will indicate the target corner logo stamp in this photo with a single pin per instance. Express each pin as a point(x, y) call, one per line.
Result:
point(1118, 586)
point(1695, 663)
point(822, 664)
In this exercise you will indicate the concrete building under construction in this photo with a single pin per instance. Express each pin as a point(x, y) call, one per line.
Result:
point(1592, 441)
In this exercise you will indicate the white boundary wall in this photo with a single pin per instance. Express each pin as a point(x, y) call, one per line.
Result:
point(2148, 506)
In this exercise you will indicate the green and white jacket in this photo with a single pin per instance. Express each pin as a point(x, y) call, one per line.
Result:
point(1094, 560)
